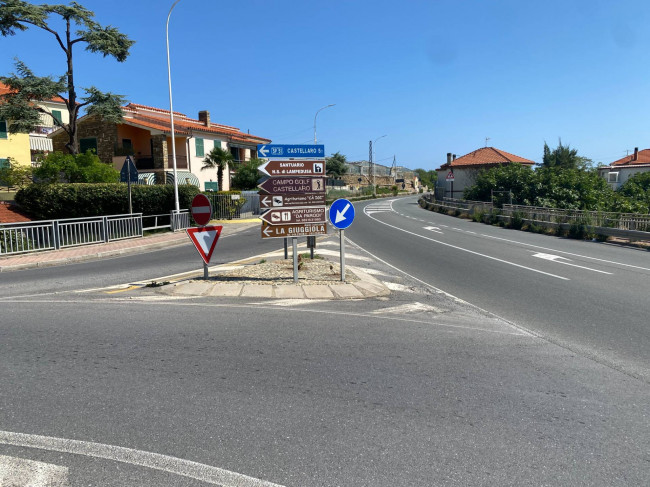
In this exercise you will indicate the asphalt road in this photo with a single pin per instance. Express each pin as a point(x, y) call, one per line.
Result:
point(588, 296)
point(415, 389)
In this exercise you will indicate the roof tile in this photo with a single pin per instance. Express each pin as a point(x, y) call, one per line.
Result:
point(486, 156)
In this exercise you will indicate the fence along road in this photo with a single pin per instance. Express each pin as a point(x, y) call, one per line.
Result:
point(19, 238)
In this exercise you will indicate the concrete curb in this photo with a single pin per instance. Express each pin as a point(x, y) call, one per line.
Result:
point(366, 287)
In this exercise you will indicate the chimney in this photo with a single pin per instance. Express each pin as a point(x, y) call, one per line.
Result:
point(453, 157)
point(636, 154)
point(448, 157)
point(204, 116)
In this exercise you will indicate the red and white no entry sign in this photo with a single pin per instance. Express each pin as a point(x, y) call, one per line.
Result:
point(201, 209)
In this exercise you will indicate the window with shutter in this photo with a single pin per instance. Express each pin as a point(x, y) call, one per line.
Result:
point(56, 115)
point(199, 148)
point(3, 130)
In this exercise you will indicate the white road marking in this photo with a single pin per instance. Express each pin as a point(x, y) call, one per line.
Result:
point(375, 272)
point(434, 229)
point(567, 253)
point(394, 286)
point(155, 461)
point(409, 308)
point(472, 251)
point(17, 472)
point(348, 256)
point(521, 331)
point(558, 259)
point(289, 302)
point(438, 290)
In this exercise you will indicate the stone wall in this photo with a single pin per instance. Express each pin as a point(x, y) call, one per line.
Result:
point(105, 133)
point(160, 153)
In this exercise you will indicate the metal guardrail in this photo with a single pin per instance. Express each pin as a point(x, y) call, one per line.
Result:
point(621, 221)
point(634, 226)
point(20, 238)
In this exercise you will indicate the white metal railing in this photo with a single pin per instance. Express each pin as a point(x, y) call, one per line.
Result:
point(20, 238)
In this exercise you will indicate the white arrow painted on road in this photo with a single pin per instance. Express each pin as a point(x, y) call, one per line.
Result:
point(263, 150)
point(561, 260)
point(433, 229)
point(340, 215)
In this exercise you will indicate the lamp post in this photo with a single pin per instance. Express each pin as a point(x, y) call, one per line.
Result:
point(372, 162)
point(316, 116)
point(171, 112)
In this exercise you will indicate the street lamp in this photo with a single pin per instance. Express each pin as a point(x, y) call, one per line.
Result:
point(315, 119)
point(171, 112)
point(372, 161)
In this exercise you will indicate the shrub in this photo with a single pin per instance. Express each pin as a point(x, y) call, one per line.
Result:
point(55, 201)
point(77, 168)
point(516, 220)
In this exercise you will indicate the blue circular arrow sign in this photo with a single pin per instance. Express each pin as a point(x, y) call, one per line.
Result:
point(341, 214)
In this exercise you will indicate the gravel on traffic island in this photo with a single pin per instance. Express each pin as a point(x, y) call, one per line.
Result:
point(317, 279)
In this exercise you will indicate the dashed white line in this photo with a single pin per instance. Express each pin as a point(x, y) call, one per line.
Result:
point(472, 251)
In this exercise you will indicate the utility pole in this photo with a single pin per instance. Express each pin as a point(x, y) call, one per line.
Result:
point(371, 167)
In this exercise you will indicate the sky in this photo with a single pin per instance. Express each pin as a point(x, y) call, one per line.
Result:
point(434, 76)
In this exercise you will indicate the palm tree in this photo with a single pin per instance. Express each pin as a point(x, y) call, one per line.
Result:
point(218, 159)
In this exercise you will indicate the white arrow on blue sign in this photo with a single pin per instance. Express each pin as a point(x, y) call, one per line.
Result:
point(290, 150)
point(341, 214)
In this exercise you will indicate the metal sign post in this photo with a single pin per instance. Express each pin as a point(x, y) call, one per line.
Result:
point(129, 174)
point(341, 216)
point(294, 243)
point(342, 255)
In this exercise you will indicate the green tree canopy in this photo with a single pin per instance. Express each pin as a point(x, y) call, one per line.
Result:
point(564, 157)
point(499, 181)
point(18, 106)
point(335, 166)
point(247, 175)
point(218, 159)
point(75, 168)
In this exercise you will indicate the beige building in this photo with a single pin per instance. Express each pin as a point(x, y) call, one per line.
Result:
point(145, 134)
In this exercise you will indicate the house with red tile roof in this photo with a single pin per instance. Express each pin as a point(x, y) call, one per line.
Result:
point(23, 148)
point(465, 169)
point(623, 169)
point(145, 134)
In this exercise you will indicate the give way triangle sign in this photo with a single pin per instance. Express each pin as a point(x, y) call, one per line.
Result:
point(205, 240)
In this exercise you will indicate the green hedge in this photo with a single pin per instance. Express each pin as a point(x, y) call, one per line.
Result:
point(56, 201)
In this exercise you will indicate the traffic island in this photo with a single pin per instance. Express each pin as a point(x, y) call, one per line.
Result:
point(317, 279)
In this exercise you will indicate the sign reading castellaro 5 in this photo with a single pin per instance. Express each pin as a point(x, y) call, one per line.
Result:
point(290, 150)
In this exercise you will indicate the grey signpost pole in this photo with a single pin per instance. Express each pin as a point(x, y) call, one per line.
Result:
point(286, 248)
point(342, 255)
point(128, 180)
point(294, 242)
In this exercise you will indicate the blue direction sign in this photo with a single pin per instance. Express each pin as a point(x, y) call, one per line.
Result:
point(128, 169)
point(341, 214)
point(288, 150)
